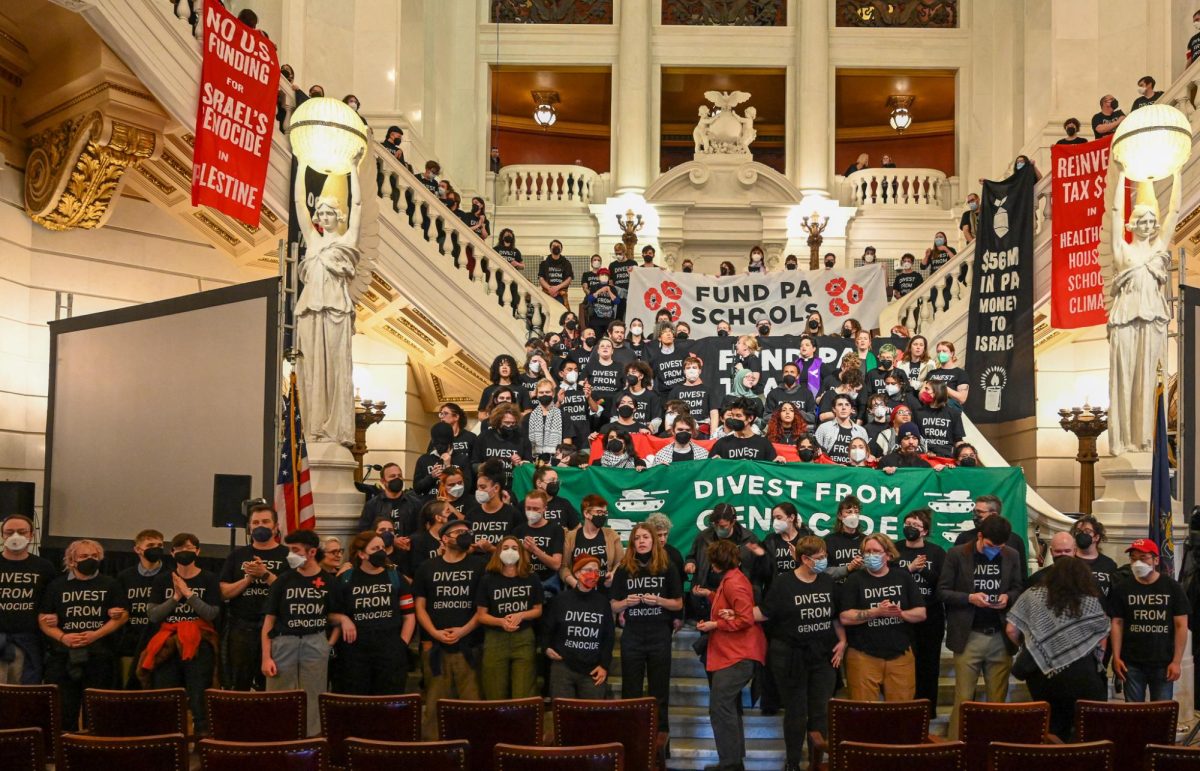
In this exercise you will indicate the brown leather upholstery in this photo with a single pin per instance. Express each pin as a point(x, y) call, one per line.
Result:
point(387, 718)
point(370, 755)
point(864, 756)
point(255, 716)
point(631, 722)
point(1088, 756)
point(302, 755)
point(1163, 757)
point(981, 722)
point(891, 722)
point(588, 757)
point(32, 706)
point(135, 713)
point(22, 749)
point(81, 752)
point(1130, 727)
point(487, 723)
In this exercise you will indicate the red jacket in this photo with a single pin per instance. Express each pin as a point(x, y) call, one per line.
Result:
point(737, 638)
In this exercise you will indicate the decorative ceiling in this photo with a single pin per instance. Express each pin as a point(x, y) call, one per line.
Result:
point(861, 97)
point(585, 95)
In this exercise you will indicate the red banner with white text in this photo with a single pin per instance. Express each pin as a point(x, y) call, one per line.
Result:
point(1077, 206)
point(235, 117)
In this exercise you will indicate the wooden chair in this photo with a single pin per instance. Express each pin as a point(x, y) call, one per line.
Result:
point(982, 722)
point(878, 722)
point(1086, 756)
point(33, 706)
point(631, 722)
point(939, 756)
point(1129, 726)
point(370, 755)
point(1174, 757)
point(588, 757)
point(22, 749)
point(83, 752)
point(255, 716)
point(487, 723)
point(302, 755)
point(387, 718)
point(135, 713)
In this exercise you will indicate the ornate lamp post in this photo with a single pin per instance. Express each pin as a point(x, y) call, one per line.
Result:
point(814, 224)
point(1086, 423)
point(629, 229)
point(366, 414)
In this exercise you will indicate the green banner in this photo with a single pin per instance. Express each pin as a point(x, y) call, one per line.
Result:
point(687, 492)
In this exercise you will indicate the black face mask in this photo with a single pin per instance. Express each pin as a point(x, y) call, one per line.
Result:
point(885, 364)
point(600, 520)
point(625, 411)
point(911, 533)
point(814, 325)
point(571, 325)
point(789, 380)
point(507, 432)
point(807, 454)
point(588, 342)
point(687, 268)
point(1083, 540)
point(153, 554)
point(556, 250)
point(615, 445)
point(683, 437)
point(967, 462)
point(631, 379)
point(552, 488)
point(184, 557)
point(508, 240)
point(829, 265)
point(388, 537)
point(1072, 131)
point(395, 486)
point(721, 333)
point(764, 330)
point(377, 558)
point(847, 333)
point(735, 424)
point(545, 400)
point(681, 335)
point(464, 540)
point(87, 567)
point(791, 266)
point(261, 534)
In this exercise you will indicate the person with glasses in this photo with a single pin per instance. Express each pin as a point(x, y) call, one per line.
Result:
point(332, 562)
point(594, 538)
point(1088, 533)
point(579, 634)
point(989, 506)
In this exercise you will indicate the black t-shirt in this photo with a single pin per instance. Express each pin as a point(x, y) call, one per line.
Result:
point(926, 579)
point(754, 447)
point(798, 396)
point(941, 428)
point(555, 270)
point(839, 449)
point(510, 253)
point(579, 627)
point(1104, 570)
point(503, 595)
point(1149, 612)
point(562, 512)
point(449, 590)
point(780, 552)
point(549, 538)
point(953, 377)
point(301, 604)
point(698, 398)
point(1193, 48)
point(606, 381)
point(800, 613)
point(250, 605)
point(1100, 119)
point(1075, 140)
point(22, 583)
point(492, 445)
point(377, 601)
point(423, 547)
point(883, 638)
point(667, 367)
point(204, 584)
point(604, 305)
point(939, 257)
point(842, 547)
point(82, 606)
point(589, 281)
point(515, 386)
point(986, 579)
point(137, 590)
point(647, 406)
point(597, 547)
point(641, 620)
point(490, 527)
point(575, 409)
point(619, 274)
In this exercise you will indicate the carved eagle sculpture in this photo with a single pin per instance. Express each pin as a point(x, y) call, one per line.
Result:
point(726, 100)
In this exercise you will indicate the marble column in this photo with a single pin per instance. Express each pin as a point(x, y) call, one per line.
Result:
point(813, 100)
point(459, 99)
point(631, 98)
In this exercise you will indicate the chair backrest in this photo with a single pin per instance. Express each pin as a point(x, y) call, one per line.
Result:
point(135, 713)
point(81, 752)
point(32, 706)
point(1172, 757)
point(877, 722)
point(255, 716)
point(487, 723)
point(387, 718)
point(864, 756)
point(301, 755)
point(631, 722)
point(588, 757)
point(982, 722)
point(1129, 726)
point(1086, 756)
point(371, 755)
point(22, 749)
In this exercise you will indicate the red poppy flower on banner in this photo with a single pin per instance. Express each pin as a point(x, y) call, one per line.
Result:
point(835, 287)
point(838, 307)
point(855, 294)
point(675, 311)
point(672, 290)
point(653, 299)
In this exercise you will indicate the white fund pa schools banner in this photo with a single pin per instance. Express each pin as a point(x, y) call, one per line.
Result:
point(783, 298)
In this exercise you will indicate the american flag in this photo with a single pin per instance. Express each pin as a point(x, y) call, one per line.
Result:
point(293, 488)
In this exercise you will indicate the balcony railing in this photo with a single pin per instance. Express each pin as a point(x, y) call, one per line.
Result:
point(913, 188)
point(552, 186)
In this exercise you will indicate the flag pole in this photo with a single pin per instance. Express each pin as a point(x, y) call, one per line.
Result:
point(295, 451)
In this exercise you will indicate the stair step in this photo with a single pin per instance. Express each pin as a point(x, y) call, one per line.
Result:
point(761, 754)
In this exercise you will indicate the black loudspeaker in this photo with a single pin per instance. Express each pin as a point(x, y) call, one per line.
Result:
point(229, 490)
point(16, 498)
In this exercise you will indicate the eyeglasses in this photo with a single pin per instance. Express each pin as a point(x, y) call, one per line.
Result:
point(334, 551)
point(589, 570)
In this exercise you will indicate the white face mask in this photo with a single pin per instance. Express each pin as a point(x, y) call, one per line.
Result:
point(16, 542)
point(602, 279)
point(756, 257)
point(879, 412)
point(534, 517)
point(691, 373)
point(635, 330)
point(295, 560)
point(1196, 24)
point(482, 497)
point(572, 377)
point(510, 557)
point(456, 491)
point(858, 454)
point(780, 526)
point(1141, 569)
point(535, 366)
point(892, 389)
point(596, 265)
point(850, 521)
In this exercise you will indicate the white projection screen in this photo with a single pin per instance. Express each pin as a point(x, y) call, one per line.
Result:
point(147, 403)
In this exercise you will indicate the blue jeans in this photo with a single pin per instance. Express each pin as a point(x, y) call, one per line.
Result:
point(1137, 677)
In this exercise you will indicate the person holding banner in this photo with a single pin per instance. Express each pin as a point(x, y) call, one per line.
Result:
point(741, 441)
point(860, 456)
point(683, 448)
point(907, 454)
point(794, 390)
point(592, 538)
point(700, 399)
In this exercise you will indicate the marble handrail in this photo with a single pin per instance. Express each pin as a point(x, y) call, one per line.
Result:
point(916, 188)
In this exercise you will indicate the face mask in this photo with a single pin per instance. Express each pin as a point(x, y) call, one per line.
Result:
point(813, 324)
point(821, 565)
point(1071, 130)
point(482, 496)
point(892, 389)
point(911, 533)
point(534, 517)
point(534, 366)
point(683, 437)
point(789, 380)
point(874, 562)
point(295, 561)
point(723, 532)
point(1196, 24)
point(925, 397)
point(1083, 540)
point(847, 333)
point(262, 534)
point(1020, 165)
point(388, 537)
point(87, 567)
point(599, 520)
point(943, 357)
point(687, 268)
point(456, 491)
point(464, 540)
point(571, 377)
point(991, 552)
point(631, 379)
point(510, 557)
point(779, 526)
point(939, 241)
point(869, 257)
point(635, 330)
point(589, 342)
point(691, 373)
point(885, 364)
point(596, 265)
point(828, 264)
point(395, 486)
point(906, 266)
point(807, 454)
point(764, 330)
point(602, 279)
point(858, 454)
point(545, 400)
point(967, 461)
point(588, 580)
point(153, 554)
point(552, 488)
point(1141, 569)
point(185, 557)
point(851, 521)
point(791, 266)
point(880, 412)
point(377, 558)
point(615, 446)
point(735, 424)
point(681, 335)
point(571, 325)
point(625, 411)
point(556, 250)
point(508, 241)
point(972, 205)
point(508, 432)
point(756, 257)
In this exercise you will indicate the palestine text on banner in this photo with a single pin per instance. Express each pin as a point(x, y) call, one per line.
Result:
point(1077, 200)
point(235, 116)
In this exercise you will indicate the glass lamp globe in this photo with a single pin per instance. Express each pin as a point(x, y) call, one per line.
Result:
point(901, 119)
point(544, 115)
point(1152, 142)
point(326, 135)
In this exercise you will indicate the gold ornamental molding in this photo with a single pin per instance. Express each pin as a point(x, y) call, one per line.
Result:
point(77, 168)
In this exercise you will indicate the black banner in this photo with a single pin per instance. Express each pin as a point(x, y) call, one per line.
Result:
point(999, 355)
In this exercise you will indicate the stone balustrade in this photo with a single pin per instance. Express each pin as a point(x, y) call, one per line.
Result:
point(915, 188)
point(550, 185)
